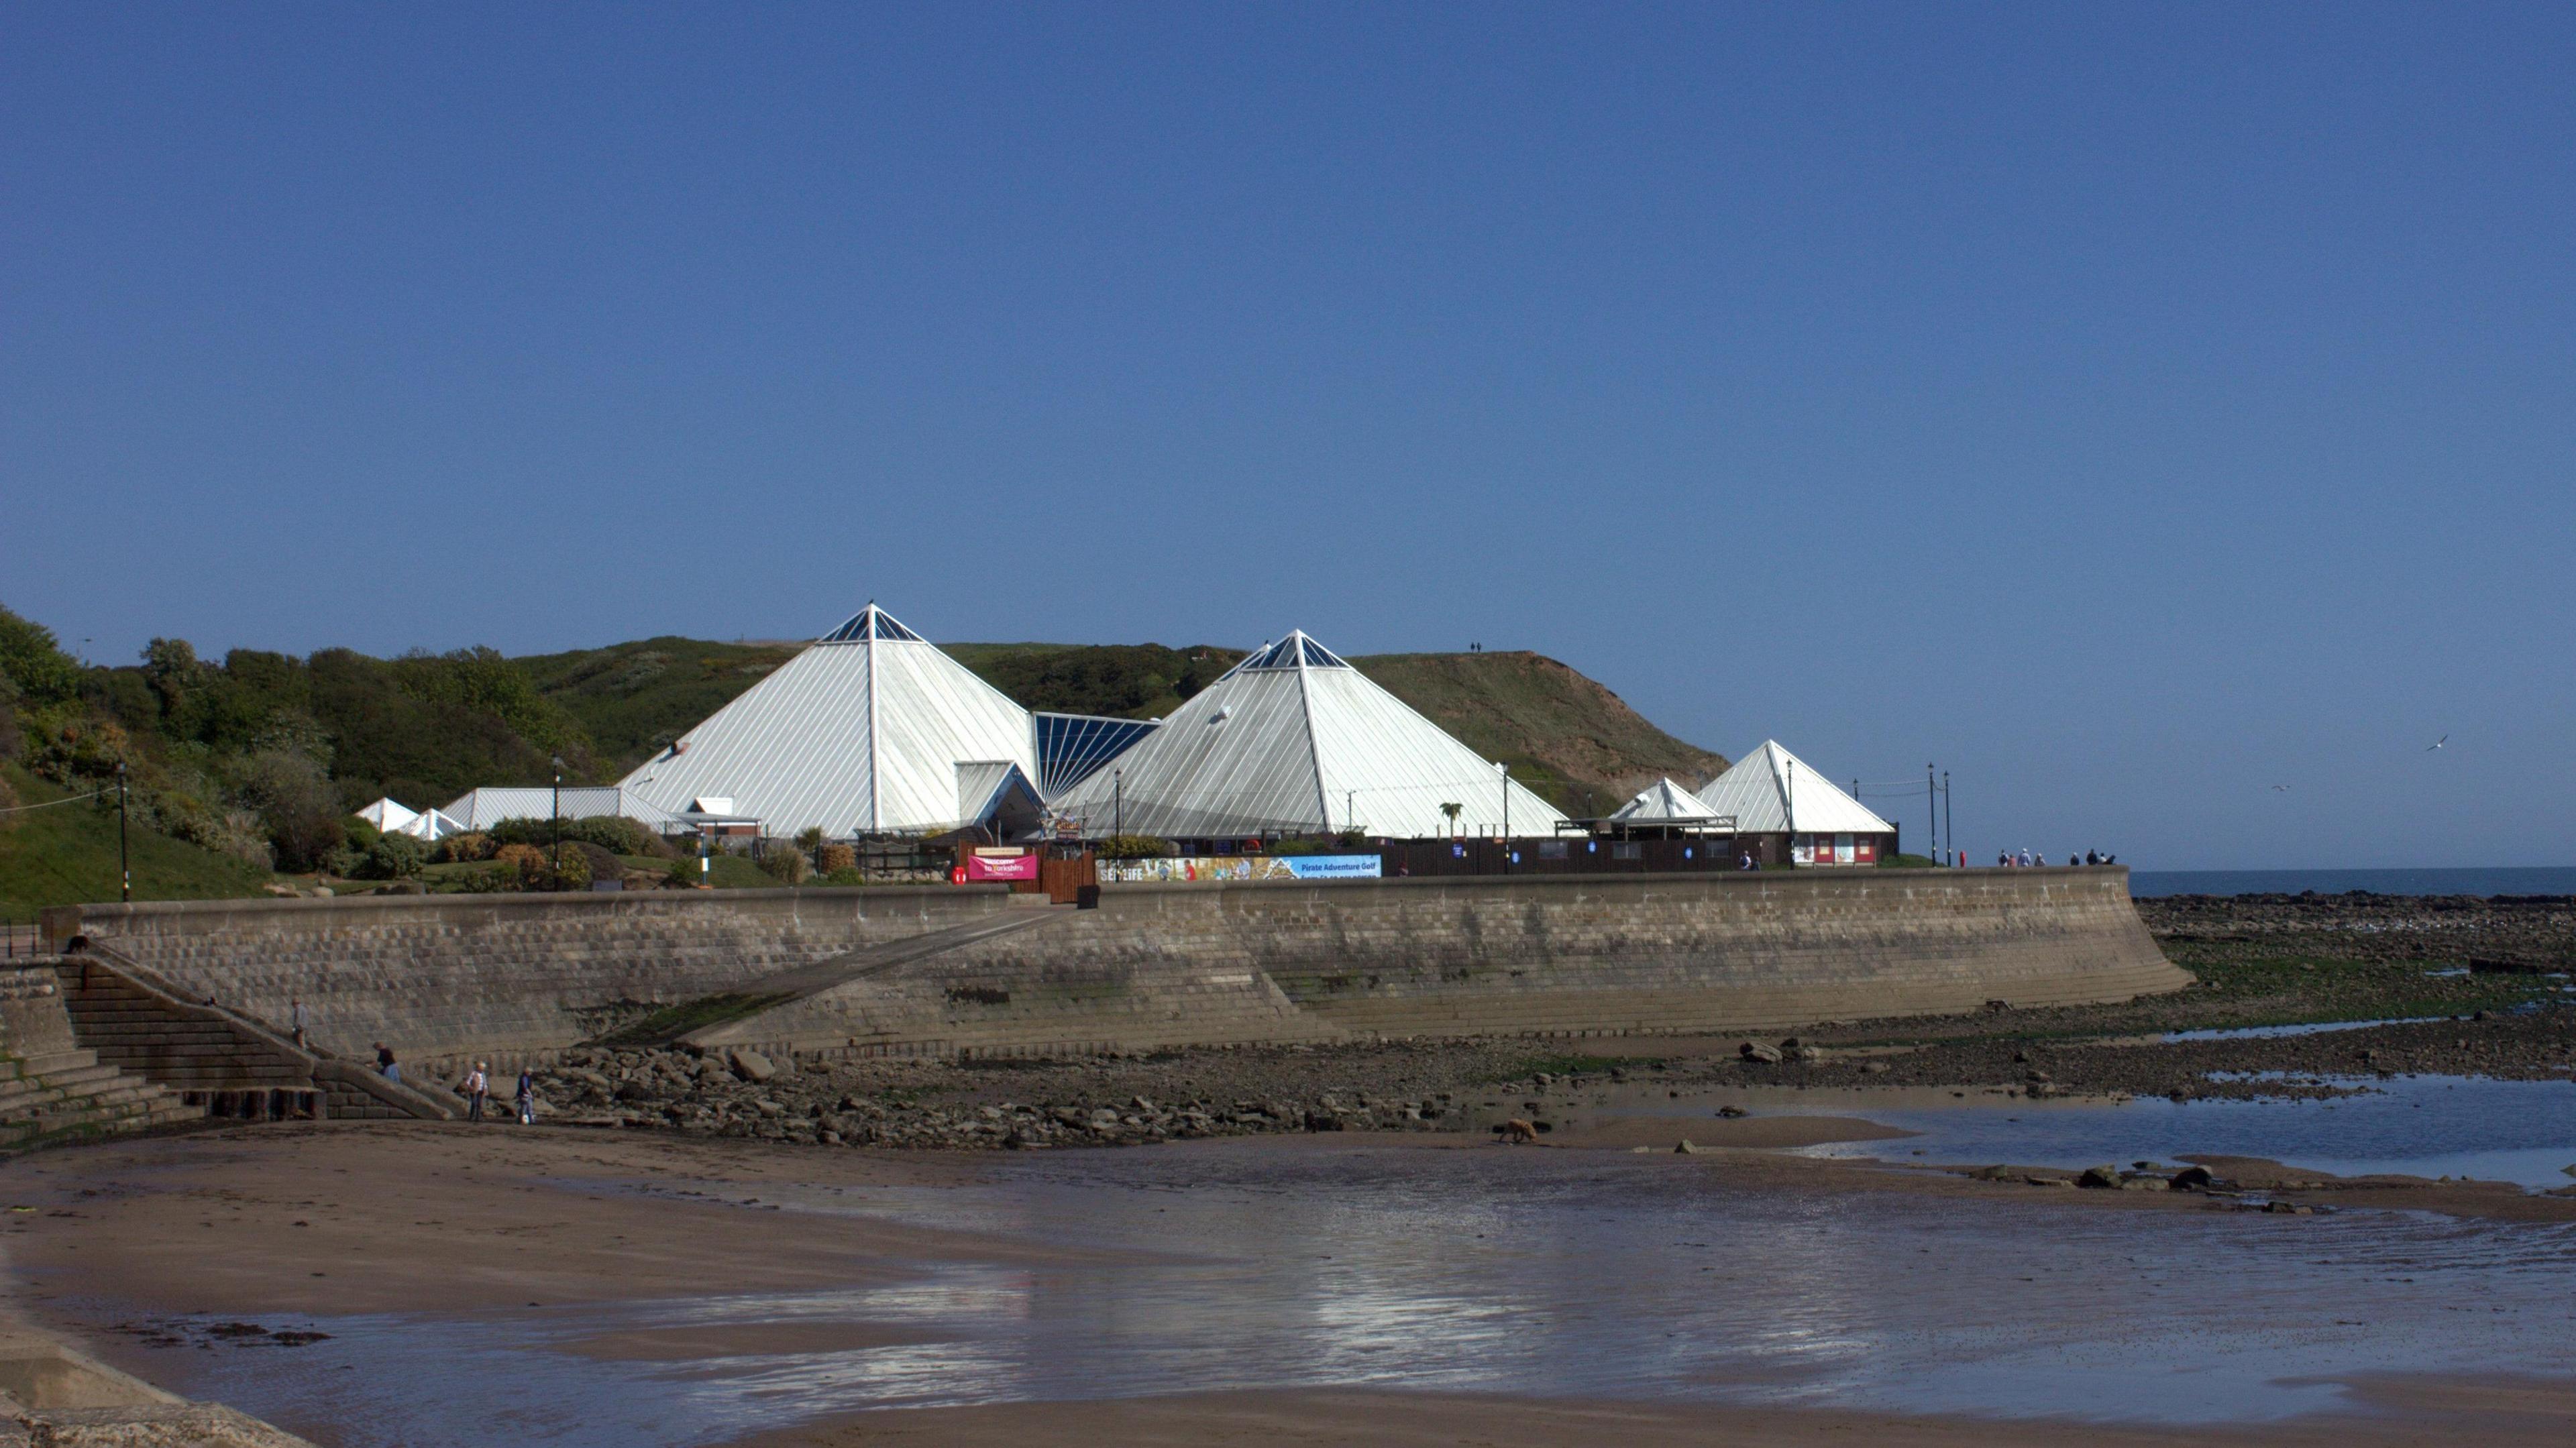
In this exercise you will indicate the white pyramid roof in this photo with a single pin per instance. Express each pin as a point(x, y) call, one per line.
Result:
point(861, 732)
point(434, 824)
point(1767, 785)
point(1664, 803)
point(387, 816)
point(1295, 740)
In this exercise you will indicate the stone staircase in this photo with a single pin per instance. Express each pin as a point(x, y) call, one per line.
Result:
point(51, 1088)
point(223, 1062)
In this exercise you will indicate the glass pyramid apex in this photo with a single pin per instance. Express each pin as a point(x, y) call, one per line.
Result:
point(870, 623)
point(1291, 652)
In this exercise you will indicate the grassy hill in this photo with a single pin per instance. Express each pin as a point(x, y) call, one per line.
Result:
point(632, 699)
point(68, 853)
point(261, 755)
point(1564, 735)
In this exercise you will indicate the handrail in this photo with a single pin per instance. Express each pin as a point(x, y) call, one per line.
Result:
point(420, 1100)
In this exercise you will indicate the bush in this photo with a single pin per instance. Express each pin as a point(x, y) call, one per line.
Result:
point(785, 863)
point(684, 872)
point(362, 835)
point(810, 838)
point(466, 848)
point(1133, 847)
point(522, 862)
point(391, 857)
point(298, 807)
point(849, 876)
point(614, 833)
point(835, 859)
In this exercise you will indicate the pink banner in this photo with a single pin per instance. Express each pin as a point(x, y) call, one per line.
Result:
point(1001, 867)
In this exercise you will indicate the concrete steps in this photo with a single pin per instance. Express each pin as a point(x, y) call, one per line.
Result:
point(65, 1094)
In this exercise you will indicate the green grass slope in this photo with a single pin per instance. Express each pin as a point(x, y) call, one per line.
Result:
point(1564, 735)
point(1130, 681)
point(67, 856)
point(632, 699)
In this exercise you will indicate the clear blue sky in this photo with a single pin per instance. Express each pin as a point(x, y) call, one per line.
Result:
point(2131, 409)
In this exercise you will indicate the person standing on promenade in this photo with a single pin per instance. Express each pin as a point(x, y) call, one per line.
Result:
point(478, 1089)
point(295, 1018)
point(385, 1065)
point(526, 1097)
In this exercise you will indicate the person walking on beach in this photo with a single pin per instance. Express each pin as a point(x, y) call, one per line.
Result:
point(385, 1066)
point(478, 1089)
point(526, 1097)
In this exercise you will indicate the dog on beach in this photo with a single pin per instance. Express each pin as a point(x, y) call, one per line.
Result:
point(1516, 1131)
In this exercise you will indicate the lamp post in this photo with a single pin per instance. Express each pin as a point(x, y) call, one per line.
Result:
point(1932, 815)
point(124, 863)
point(1118, 801)
point(1948, 831)
point(1504, 772)
point(557, 822)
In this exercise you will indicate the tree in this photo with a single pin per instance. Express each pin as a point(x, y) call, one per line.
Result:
point(1451, 812)
point(31, 659)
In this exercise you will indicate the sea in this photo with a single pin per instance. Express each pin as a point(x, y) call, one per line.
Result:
point(2503, 880)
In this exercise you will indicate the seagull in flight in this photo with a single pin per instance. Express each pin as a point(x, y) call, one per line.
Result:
point(2438, 743)
point(2282, 788)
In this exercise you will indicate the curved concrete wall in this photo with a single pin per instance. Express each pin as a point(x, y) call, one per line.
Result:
point(1174, 964)
point(505, 977)
point(515, 977)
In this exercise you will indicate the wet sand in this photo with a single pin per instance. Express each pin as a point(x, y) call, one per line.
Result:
point(404, 1217)
point(2498, 1412)
point(442, 1220)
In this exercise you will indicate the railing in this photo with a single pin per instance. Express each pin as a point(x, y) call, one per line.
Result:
point(24, 939)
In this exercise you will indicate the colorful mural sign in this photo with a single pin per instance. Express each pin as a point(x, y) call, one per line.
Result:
point(980, 868)
point(1233, 869)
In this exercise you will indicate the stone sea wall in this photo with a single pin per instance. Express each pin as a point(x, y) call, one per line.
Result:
point(517, 977)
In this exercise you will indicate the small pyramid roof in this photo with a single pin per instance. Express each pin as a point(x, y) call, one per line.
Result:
point(862, 732)
point(1295, 740)
point(387, 816)
point(1771, 791)
point(1664, 803)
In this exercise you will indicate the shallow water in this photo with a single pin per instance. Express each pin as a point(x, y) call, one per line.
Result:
point(1580, 1274)
point(2431, 1126)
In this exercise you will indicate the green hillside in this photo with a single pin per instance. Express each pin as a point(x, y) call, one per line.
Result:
point(1566, 736)
point(1132, 681)
point(255, 760)
point(67, 854)
point(632, 699)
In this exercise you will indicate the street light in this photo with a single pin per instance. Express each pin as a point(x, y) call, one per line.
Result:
point(557, 818)
point(124, 864)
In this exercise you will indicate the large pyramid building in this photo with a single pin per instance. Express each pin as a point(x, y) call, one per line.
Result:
point(870, 730)
point(1295, 741)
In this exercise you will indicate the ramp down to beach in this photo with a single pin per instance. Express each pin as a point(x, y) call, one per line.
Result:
point(948, 971)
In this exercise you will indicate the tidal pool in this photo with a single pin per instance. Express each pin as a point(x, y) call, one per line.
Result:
point(1531, 1272)
point(2431, 1126)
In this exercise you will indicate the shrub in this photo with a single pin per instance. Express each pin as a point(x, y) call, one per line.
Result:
point(362, 835)
point(466, 848)
point(391, 857)
point(523, 862)
point(613, 833)
point(1133, 847)
point(684, 872)
point(785, 863)
point(297, 806)
point(849, 876)
point(485, 879)
point(810, 838)
point(834, 859)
